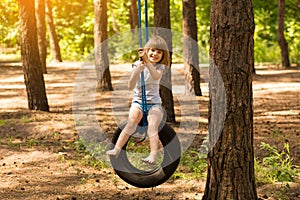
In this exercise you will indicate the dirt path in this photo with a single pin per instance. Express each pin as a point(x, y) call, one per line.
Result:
point(39, 160)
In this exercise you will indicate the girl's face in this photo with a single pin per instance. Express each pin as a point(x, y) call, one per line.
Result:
point(154, 55)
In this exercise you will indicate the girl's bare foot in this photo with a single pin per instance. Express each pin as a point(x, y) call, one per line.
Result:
point(151, 159)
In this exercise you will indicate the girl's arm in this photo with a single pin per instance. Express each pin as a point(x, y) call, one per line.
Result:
point(155, 73)
point(138, 67)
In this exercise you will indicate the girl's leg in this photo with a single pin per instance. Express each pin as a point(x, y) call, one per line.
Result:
point(155, 117)
point(135, 115)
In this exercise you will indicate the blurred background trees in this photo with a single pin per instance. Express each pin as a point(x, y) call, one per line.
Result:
point(74, 22)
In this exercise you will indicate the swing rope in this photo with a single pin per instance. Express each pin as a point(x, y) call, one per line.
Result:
point(143, 87)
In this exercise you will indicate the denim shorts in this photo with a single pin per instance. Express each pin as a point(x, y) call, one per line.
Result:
point(149, 106)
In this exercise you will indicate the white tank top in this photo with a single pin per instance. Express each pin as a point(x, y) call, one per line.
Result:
point(152, 87)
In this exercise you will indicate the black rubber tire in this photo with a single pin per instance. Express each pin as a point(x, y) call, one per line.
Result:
point(145, 179)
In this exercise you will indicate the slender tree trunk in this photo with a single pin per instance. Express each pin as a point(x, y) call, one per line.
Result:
point(133, 20)
point(285, 61)
point(231, 157)
point(112, 7)
point(101, 46)
point(190, 48)
point(133, 15)
point(299, 11)
point(41, 30)
point(33, 75)
point(162, 26)
point(54, 45)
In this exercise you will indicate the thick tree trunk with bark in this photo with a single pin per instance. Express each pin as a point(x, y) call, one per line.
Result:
point(162, 26)
point(285, 60)
point(41, 30)
point(54, 45)
point(33, 75)
point(101, 46)
point(231, 157)
point(190, 48)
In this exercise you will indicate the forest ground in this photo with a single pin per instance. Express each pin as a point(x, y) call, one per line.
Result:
point(39, 159)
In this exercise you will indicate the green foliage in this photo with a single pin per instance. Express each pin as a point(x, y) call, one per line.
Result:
point(30, 143)
point(118, 13)
point(77, 38)
point(266, 52)
point(266, 45)
point(23, 120)
point(276, 166)
point(91, 153)
point(2, 122)
point(74, 27)
point(203, 23)
point(293, 38)
point(192, 165)
point(175, 6)
point(74, 21)
point(9, 31)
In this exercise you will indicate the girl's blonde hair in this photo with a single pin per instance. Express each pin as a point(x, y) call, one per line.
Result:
point(159, 43)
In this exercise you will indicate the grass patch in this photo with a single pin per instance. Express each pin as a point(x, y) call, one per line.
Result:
point(193, 165)
point(4, 122)
point(91, 154)
point(276, 166)
point(23, 120)
point(30, 143)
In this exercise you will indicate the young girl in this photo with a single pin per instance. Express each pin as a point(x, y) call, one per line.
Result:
point(155, 57)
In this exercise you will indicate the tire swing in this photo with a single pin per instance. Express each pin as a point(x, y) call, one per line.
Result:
point(124, 165)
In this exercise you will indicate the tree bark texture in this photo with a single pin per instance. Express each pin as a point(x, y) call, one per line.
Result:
point(41, 30)
point(101, 46)
point(162, 28)
point(54, 45)
point(284, 50)
point(231, 157)
point(190, 48)
point(33, 75)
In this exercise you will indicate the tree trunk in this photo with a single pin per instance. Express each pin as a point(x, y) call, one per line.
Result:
point(101, 46)
point(133, 15)
point(231, 157)
point(113, 17)
point(299, 11)
point(285, 61)
point(55, 50)
point(41, 31)
point(162, 26)
point(33, 75)
point(190, 48)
